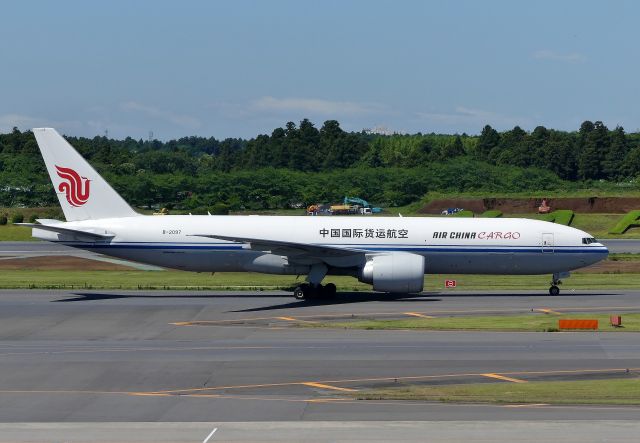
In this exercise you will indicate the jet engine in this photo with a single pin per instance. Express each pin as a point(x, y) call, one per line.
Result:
point(396, 272)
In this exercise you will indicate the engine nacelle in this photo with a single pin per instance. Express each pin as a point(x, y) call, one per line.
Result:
point(396, 272)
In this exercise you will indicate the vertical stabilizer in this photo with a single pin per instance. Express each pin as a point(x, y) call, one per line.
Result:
point(83, 193)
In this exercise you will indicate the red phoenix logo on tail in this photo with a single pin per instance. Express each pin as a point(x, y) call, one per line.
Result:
point(76, 188)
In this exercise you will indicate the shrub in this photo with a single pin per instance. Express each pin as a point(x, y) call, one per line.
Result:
point(463, 213)
point(492, 213)
point(33, 218)
point(630, 220)
point(17, 218)
point(219, 209)
point(561, 216)
point(3, 219)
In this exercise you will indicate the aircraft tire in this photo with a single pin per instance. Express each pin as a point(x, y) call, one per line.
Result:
point(300, 292)
point(554, 290)
point(329, 290)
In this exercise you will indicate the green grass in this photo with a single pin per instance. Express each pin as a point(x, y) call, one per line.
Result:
point(624, 391)
point(561, 217)
point(599, 225)
point(11, 232)
point(534, 322)
point(135, 279)
point(464, 213)
point(632, 219)
point(492, 213)
point(624, 257)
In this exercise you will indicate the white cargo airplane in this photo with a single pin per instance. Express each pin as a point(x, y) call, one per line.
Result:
point(390, 253)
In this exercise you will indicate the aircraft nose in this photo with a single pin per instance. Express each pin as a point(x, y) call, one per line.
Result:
point(601, 254)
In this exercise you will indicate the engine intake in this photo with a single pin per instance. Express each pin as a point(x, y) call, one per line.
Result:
point(396, 272)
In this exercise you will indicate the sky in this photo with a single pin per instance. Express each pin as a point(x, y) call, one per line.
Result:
point(242, 68)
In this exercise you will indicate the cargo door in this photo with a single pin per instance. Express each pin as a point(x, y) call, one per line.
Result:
point(547, 242)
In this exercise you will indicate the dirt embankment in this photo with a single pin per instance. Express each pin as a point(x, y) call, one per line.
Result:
point(597, 205)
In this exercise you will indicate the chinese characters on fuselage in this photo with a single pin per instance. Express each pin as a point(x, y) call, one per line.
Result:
point(364, 233)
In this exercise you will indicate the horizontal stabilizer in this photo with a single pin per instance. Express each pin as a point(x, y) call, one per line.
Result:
point(76, 234)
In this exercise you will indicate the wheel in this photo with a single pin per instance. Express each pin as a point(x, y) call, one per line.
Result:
point(300, 292)
point(329, 290)
point(313, 292)
point(554, 290)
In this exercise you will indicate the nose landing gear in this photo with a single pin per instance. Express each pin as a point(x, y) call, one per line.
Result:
point(555, 281)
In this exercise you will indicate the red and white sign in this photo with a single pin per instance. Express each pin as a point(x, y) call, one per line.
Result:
point(76, 188)
point(449, 283)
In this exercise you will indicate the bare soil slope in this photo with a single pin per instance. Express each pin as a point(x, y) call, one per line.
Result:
point(585, 205)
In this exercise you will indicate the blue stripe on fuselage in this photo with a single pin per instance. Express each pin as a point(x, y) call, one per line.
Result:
point(381, 248)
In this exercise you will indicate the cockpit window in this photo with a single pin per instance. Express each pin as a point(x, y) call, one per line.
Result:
point(588, 240)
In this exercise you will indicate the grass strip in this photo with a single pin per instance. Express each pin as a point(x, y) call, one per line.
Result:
point(135, 279)
point(623, 391)
point(624, 257)
point(12, 232)
point(534, 322)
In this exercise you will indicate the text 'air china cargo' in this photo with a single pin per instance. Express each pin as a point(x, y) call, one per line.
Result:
point(390, 253)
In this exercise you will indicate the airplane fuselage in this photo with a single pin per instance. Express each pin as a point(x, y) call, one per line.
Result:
point(449, 245)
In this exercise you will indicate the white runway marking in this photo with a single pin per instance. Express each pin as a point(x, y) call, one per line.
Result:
point(210, 435)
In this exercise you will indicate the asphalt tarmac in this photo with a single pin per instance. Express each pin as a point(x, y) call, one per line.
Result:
point(112, 365)
point(216, 357)
point(622, 246)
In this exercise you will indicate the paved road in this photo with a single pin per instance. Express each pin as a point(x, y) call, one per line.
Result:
point(622, 246)
point(328, 431)
point(116, 356)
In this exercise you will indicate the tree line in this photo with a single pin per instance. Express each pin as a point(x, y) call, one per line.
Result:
point(301, 164)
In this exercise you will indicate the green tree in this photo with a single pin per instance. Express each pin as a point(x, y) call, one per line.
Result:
point(594, 145)
point(489, 139)
point(613, 162)
point(453, 149)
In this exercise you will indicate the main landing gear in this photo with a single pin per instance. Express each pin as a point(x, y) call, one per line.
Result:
point(307, 291)
point(313, 288)
point(555, 281)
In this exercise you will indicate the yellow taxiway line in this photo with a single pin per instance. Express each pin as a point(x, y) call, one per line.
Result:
point(323, 386)
point(302, 318)
point(502, 377)
point(417, 314)
point(549, 311)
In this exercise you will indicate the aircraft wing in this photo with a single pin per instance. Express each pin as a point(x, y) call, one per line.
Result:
point(289, 248)
point(76, 233)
